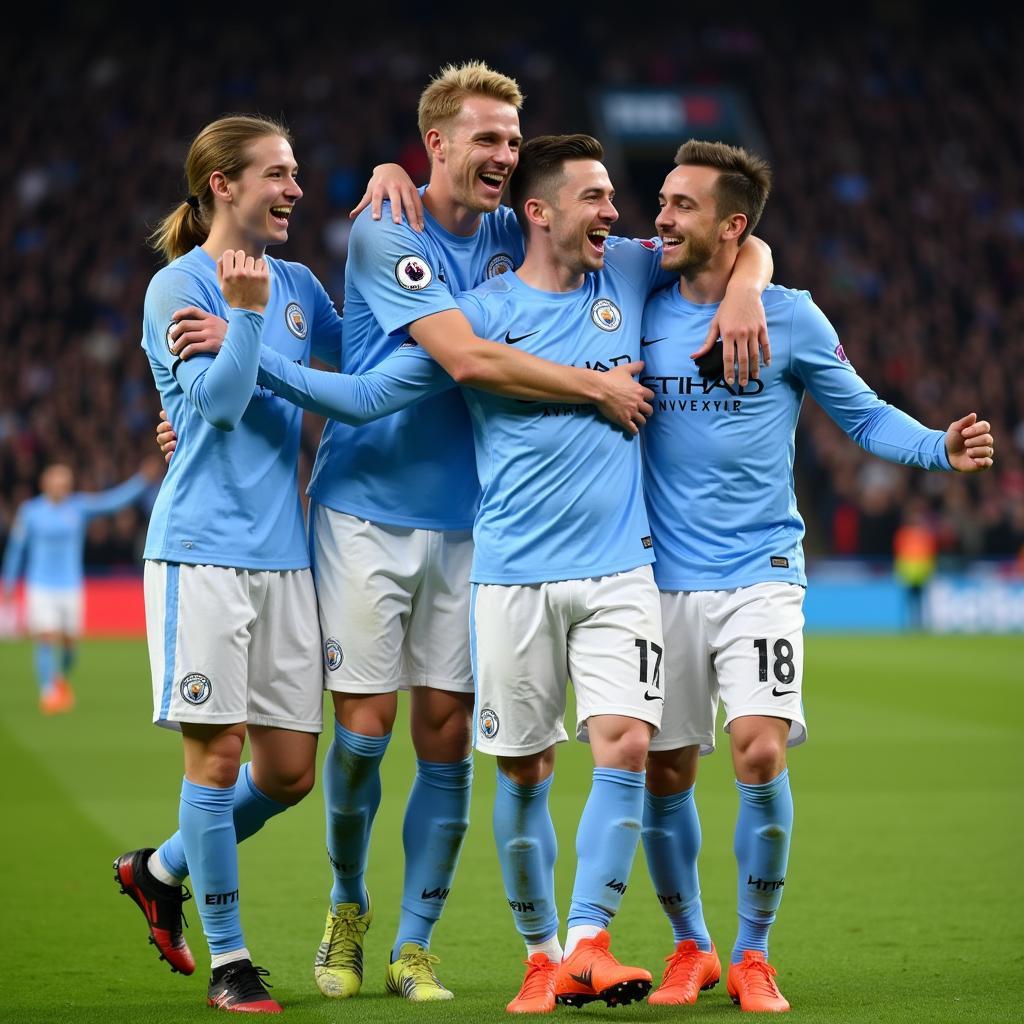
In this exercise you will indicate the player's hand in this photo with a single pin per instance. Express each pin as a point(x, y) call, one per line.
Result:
point(152, 468)
point(740, 323)
point(194, 331)
point(390, 181)
point(166, 438)
point(969, 444)
point(626, 402)
point(245, 281)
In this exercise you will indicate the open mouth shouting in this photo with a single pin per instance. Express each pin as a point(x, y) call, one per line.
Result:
point(280, 214)
point(597, 237)
point(494, 181)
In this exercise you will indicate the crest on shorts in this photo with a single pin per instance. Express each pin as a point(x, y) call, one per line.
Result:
point(488, 723)
point(500, 263)
point(606, 315)
point(195, 688)
point(333, 655)
point(296, 321)
point(412, 273)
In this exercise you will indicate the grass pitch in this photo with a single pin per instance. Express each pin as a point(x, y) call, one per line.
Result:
point(899, 900)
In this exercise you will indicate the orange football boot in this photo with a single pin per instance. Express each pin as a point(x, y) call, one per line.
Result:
point(689, 972)
point(58, 698)
point(537, 994)
point(751, 983)
point(591, 972)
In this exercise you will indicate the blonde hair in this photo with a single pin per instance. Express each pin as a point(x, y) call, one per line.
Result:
point(442, 99)
point(223, 145)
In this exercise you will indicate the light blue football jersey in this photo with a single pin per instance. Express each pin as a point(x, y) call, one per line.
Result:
point(230, 496)
point(561, 486)
point(416, 467)
point(48, 537)
point(719, 458)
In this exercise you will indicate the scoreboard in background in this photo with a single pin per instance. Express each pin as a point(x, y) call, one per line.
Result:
point(641, 129)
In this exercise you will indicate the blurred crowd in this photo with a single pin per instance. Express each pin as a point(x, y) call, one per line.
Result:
point(898, 203)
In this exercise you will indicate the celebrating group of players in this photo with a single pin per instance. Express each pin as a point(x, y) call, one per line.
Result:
point(556, 520)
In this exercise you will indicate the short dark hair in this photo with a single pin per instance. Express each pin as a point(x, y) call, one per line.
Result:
point(541, 167)
point(743, 184)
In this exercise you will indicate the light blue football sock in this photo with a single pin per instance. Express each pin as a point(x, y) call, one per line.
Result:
point(672, 843)
point(436, 819)
point(763, 830)
point(208, 833)
point(351, 797)
point(68, 656)
point(45, 658)
point(606, 843)
point(252, 809)
point(527, 848)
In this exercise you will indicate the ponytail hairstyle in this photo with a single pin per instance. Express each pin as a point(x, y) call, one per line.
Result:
point(223, 145)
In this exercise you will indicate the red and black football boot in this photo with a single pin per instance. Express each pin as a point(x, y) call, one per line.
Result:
point(162, 906)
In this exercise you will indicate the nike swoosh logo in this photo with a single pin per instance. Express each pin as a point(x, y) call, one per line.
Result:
point(647, 696)
point(509, 340)
point(653, 341)
point(776, 692)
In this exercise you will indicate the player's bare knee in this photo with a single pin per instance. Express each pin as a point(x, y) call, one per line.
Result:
point(529, 770)
point(366, 714)
point(629, 751)
point(292, 786)
point(217, 769)
point(671, 771)
point(760, 760)
point(441, 725)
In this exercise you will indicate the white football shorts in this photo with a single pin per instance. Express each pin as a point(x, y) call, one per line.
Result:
point(54, 610)
point(233, 645)
point(743, 646)
point(602, 634)
point(394, 604)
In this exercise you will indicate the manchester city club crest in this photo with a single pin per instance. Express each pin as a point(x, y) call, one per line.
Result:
point(488, 723)
point(412, 273)
point(195, 688)
point(296, 321)
point(333, 655)
point(167, 336)
point(606, 315)
point(500, 263)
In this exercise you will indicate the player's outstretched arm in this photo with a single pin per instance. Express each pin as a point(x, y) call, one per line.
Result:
point(390, 181)
point(402, 379)
point(105, 503)
point(14, 554)
point(489, 366)
point(740, 321)
point(969, 444)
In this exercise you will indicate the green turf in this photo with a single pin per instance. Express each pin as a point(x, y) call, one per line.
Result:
point(909, 827)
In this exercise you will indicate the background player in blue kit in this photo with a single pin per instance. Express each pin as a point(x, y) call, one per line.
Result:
point(46, 546)
point(231, 611)
point(719, 485)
